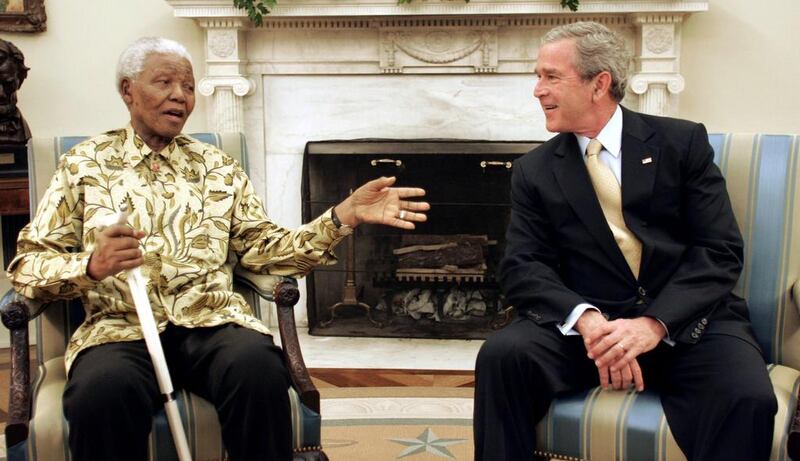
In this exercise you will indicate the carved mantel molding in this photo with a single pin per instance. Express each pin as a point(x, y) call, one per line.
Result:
point(426, 36)
point(353, 8)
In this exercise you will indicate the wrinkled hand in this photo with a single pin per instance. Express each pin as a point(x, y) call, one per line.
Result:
point(616, 366)
point(376, 202)
point(116, 250)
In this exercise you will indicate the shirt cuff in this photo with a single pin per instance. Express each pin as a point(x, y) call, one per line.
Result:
point(567, 327)
point(666, 339)
point(82, 279)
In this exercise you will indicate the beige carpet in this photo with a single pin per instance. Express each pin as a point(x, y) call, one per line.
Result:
point(387, 423)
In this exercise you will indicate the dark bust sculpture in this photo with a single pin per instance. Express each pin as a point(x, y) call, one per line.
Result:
point(13, 129)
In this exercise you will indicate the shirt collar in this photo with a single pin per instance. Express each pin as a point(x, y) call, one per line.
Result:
point(610, 136)
point(137, 150)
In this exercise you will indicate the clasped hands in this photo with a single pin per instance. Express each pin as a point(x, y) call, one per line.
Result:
point(615, 345)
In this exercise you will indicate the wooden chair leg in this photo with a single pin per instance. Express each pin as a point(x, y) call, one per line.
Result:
point(310, 456)
point(793, 444)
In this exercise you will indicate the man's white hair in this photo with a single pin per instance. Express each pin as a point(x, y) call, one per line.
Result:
point(131, 61)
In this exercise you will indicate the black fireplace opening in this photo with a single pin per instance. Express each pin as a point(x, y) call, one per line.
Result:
point(438, 281)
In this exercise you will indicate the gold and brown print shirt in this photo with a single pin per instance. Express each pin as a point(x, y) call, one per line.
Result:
point(196, 206)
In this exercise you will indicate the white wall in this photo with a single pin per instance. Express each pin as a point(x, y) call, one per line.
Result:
point(741, 61)
point(70, 87)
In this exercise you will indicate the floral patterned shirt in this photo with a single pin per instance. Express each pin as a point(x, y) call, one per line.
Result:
point(199, 211)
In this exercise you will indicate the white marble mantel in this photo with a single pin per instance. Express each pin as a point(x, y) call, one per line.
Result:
point(425, 36)
point(347, 69)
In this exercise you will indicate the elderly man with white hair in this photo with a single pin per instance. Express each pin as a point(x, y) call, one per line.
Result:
point(190, 205)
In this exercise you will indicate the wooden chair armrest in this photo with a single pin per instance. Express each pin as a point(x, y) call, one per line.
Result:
point(262, 284)
point(284, 293)
point(31, 306)
point(15, 312)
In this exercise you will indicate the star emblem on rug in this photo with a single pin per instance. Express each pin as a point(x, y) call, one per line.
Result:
point(429, 442)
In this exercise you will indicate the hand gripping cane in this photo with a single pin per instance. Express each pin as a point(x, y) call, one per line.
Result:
point(138, 287)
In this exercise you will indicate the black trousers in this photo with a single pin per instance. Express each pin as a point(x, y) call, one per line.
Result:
point(112, 393)
point(716, 394)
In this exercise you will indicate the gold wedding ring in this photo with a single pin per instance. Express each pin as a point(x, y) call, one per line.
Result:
point(621, 346)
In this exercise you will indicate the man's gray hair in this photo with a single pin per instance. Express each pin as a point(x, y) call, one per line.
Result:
point(598, 49)
point(131, 61)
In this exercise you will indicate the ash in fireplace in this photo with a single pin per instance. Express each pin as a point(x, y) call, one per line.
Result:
point(418, 303)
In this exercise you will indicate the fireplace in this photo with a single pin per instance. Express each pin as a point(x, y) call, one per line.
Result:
point(437, 281)
point(352, 69)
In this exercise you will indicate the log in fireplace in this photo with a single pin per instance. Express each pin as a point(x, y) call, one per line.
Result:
point(435, 282)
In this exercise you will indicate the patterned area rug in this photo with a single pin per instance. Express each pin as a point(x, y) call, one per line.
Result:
point(386, 423)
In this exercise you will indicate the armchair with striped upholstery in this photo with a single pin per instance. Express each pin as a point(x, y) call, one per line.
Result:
point(37, 429)
point(762, 174)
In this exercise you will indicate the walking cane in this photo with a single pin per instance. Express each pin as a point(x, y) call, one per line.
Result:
point(138, 287)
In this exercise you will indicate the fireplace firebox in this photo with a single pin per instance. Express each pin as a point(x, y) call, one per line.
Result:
point(437, 281)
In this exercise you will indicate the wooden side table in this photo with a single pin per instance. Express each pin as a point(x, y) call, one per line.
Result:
point(14, 213)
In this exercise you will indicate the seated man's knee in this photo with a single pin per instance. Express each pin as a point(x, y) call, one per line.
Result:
point(755, 399)
point(498, 348)
point(762, 399)
point(259, 369)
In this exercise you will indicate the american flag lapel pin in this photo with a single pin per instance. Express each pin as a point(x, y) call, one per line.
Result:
point(647, 160)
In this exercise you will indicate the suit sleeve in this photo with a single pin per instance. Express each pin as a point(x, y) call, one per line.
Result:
point(529, 271)
point(711, 264)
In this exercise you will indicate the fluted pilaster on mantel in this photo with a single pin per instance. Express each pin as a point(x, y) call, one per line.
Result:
point(226, 79)
point(655, 92)
point(658, 80)
point(228, 107)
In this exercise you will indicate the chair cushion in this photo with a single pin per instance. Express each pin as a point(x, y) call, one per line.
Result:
point(600, 425)
point(47, 440)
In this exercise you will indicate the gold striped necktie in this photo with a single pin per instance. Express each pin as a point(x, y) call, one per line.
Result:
point(610, 196)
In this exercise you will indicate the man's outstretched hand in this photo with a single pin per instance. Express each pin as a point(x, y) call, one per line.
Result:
point(376, 202)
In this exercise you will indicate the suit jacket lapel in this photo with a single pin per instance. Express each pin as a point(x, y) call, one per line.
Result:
point(640, 161)
point(573, 179)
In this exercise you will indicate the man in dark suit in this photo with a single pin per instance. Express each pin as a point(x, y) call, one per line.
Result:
point(622, 251)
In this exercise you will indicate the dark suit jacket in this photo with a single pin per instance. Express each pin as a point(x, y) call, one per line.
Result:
point(560, 251)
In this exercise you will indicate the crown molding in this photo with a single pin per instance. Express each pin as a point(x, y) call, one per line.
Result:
point(219, 9)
